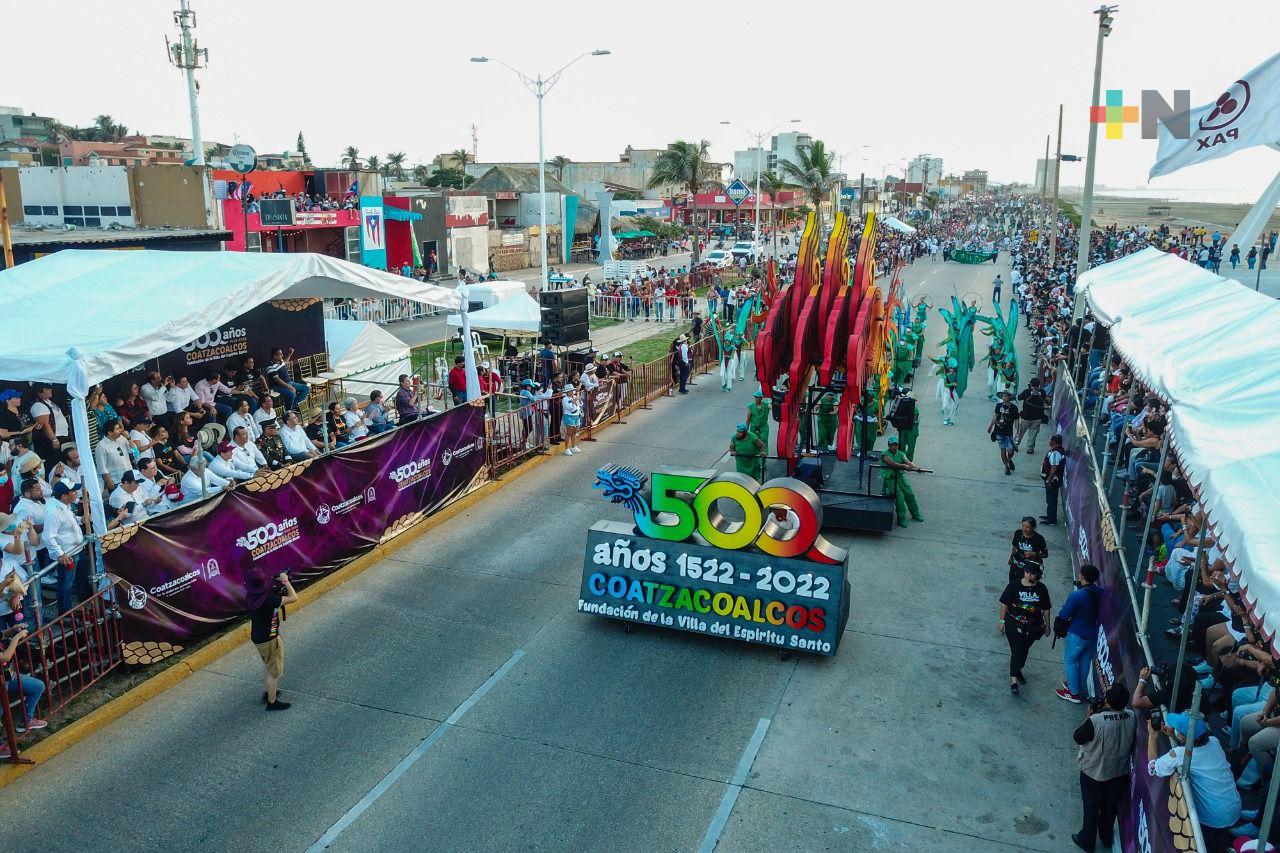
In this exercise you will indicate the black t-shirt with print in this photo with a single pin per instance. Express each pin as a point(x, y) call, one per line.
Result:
point(1024, 606)
point(1005, 415)
point(13, 421)
point(1032, 404)
point(266, 620)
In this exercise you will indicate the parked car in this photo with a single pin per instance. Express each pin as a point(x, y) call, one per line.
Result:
point(718, 258)
point(748, 249)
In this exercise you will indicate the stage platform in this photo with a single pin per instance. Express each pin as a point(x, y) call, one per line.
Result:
point(849, 501)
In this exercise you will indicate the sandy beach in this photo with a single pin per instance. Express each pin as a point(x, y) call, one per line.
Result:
point(1114, 209)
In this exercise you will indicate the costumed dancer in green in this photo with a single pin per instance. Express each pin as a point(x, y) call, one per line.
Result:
point(728, 355)
point(917, 329)
point(758, 417)
point(893, 476)
point(902, 355)
point(948, 390)
point(827, 422)
point(748, 452)
point(868, 423)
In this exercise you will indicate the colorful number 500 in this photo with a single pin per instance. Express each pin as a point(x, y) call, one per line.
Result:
point(685, 504)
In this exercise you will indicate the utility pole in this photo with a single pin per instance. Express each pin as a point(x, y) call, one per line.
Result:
point(1105, 20)
point(188, 56)
point(862, 191)
point(1057, 172)
point(5, 237)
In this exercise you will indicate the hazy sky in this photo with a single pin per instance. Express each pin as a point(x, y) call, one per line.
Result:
point(976, 83)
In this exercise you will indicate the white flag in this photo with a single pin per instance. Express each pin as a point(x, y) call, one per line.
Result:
point(1245, 115)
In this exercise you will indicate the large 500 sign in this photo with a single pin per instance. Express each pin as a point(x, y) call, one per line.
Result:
point(686, 504)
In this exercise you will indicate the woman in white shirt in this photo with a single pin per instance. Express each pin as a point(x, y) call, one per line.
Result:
point(354, 419)
point(241, 418)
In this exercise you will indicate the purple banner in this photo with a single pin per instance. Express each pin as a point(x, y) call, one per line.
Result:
point(182, 574)
point(1156, 815)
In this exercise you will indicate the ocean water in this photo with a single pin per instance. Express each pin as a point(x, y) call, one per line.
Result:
point(1226, 195)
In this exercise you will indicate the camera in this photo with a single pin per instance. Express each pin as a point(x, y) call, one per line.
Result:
point(277, 587)
point(1157, 718)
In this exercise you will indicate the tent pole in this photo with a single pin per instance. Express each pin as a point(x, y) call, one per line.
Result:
point(1264, 828)
point(1193, 578)
point(1155, 500)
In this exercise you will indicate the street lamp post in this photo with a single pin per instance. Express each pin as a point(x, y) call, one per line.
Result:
point(539, 87)
point(759, 139)
point(1105, 19)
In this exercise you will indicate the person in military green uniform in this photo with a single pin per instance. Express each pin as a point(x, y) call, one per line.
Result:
point(868, 426)
point(893, 474)
point(748, 452)
point(758, 417)
point(917, 329)
point(910, 435)
point(826, 421)
point(902, 353)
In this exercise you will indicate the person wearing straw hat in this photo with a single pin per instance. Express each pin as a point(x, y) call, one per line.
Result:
point(683, 361)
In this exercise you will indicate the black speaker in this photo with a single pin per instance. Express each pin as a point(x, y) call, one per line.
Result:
point(564, 316)
point(571, 298)
point(902, 413)
point(563, 336)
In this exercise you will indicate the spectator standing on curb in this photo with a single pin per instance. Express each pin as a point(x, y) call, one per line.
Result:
point(267, 599)
point(1051, 471)
point(1079, 614)
point(1023, 619)
point(1106, 740)
point(683, 361)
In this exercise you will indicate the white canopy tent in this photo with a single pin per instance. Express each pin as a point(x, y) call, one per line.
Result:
point(1209, 346)
point(898, 225)
point(365, 357)
point(88, 315)
point(518, 314)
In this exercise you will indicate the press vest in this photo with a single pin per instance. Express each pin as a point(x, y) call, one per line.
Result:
point(1107, 755)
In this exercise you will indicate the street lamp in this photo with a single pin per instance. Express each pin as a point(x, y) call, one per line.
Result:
point(759, 139)
point(539, 87)
point(1105, 20)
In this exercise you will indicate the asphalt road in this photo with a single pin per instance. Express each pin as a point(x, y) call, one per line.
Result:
point(452, 698)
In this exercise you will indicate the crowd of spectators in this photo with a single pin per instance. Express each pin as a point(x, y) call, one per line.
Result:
point(303, 202)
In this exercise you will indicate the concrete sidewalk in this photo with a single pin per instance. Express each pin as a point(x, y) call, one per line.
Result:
point(451, 697)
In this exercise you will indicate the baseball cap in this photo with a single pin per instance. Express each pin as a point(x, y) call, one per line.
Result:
point(742, 427)
point(758, 393)
point(129, 476)
point(8, 394)
point(893, 439)
point(1182, 722)
point(526, 383)
point(617, 353)
point(225, 447)
point(62, 487)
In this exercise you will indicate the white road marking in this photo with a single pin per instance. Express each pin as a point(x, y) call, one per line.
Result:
point(721, 817)
point(331, 835)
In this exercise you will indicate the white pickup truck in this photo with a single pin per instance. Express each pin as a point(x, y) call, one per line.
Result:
point(746, 249)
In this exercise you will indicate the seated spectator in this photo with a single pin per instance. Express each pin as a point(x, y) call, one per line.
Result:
point(13, 421)
point(354, 419)
point(68, 470)
point(290, 390)
point(214, 396)
point(140, 438)
point(272, 446)
point(297, 443)
point(213, 483)
point(112, 456)
point(224, 467)
point(129, 497)
point(131, 406)
point(251, 378)
point(179, 396)
point(337, 425)
point(266, 412)
point(151, 486)
point(240, 390)
point(1212, 785)
point(164, 452)
point(245, 455)
point(375, 414)
point(241, 417)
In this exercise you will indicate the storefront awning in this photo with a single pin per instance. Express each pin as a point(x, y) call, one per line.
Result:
point(398, 215)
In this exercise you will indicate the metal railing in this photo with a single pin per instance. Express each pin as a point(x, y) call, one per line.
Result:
point(380, 311)
point(659, 309)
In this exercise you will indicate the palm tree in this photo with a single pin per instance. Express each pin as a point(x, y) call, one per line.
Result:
point(395, 163)
point(931, 200)
point(772, 183)
point(813, 174)
point(558, 163)
point(106, 130)
point(685, 164)
point(374, 163)
point(421, 174)
point(351, 158)
point(463, 156)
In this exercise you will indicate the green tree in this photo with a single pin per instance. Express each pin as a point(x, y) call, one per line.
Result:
point(351, 157)
point(395, 164)
point(685, 164)
point(450, 179)
point(106, 130)
point(812, 174)
point(421, 174)
point(374, 163)
point(558, 163)
point(302, 149)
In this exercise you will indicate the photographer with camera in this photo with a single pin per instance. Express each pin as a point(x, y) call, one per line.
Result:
point(267, 598)
point(1077, 622)
point(1106, 739)
point(17, 684)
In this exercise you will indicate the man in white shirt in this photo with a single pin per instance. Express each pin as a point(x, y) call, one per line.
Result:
point(63, 536)
point(213, 483)
point(179, 395)
point(128, 496)
point(241, 418)
point(151, 488)
point(683, 361)
point(295, 438)
point(153, 391)
point(224, 467)
point(245, 455)
point(112, 454)
point(31, 504)
point(266, 412)
point(69, 469)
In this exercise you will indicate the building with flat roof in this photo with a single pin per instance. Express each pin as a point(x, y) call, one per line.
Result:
point(17, 124)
